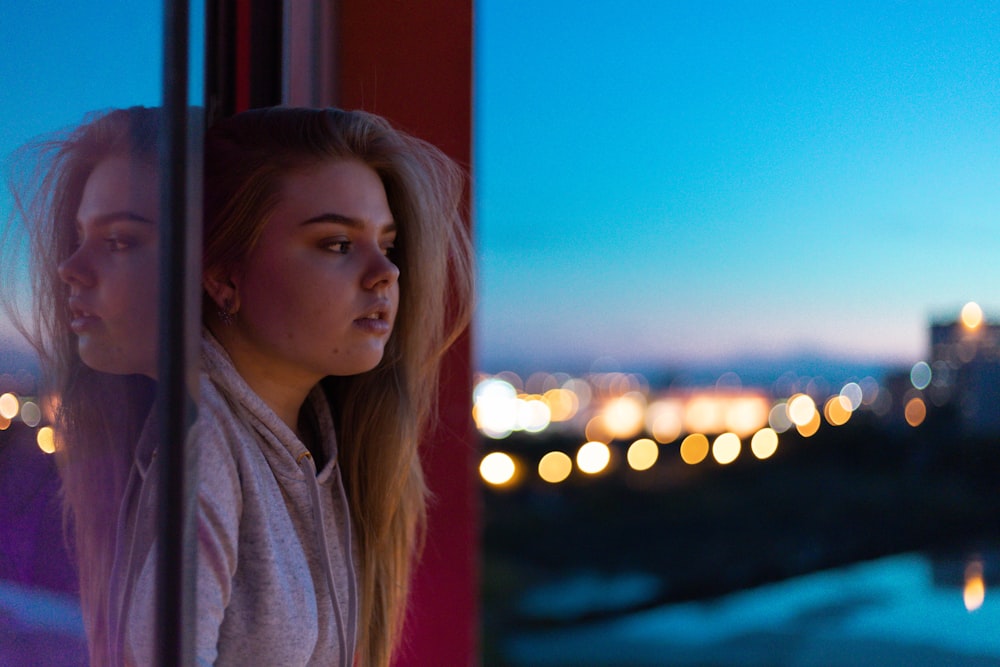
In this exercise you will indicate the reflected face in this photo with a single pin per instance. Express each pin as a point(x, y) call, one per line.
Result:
point(114, 270)
point(318, 295)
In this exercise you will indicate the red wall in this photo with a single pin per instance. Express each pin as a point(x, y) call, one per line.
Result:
point(412, 63)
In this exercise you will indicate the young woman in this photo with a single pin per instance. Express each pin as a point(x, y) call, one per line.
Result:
point(337, 272)
point(89, 201)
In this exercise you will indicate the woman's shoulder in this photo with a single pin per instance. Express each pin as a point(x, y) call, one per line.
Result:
point(217, 406)
point(212, 399)
point(216, 420)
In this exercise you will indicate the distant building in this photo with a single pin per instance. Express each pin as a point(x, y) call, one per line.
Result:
point(965, 364)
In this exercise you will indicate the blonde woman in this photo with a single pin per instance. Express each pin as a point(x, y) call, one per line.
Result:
point(337, 272)
point(89, 202)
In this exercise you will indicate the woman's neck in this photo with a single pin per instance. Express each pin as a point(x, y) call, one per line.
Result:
point(281, 389)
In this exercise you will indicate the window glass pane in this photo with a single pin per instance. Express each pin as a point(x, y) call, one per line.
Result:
point(82, 215)
point(734, 390)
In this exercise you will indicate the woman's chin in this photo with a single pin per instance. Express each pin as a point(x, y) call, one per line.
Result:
point(112, 361)
point(359, 365)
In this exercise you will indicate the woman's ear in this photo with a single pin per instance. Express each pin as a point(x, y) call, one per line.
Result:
point(223, 290)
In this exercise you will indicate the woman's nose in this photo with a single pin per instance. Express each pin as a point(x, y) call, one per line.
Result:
point(76, 270)
point(380, 272)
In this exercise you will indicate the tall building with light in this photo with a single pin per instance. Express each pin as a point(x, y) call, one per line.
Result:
point(965, 360)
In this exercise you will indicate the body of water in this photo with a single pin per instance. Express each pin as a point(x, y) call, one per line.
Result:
point(899, 610)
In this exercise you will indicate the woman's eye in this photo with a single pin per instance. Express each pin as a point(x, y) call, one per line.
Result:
point(389, 249)
point(117, 244)
point(340, 246)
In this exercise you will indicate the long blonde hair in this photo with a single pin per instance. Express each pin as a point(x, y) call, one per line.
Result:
point(99, 416)
point(379, 415)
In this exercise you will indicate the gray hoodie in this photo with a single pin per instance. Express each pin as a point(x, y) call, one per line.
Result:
point(276, 581)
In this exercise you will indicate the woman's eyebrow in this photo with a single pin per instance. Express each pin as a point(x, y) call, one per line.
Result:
point(117, 216)
point(341, 219)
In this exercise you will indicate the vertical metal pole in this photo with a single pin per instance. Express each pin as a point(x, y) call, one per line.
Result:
point(174, 555)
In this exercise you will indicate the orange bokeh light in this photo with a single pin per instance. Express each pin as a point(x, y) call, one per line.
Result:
point(915, 411)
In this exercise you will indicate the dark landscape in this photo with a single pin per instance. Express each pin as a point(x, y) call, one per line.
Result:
point(847, 494)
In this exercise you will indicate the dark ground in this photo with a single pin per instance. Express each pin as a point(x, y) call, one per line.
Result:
point(847, 494)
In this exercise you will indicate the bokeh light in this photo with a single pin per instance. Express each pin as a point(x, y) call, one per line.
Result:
point(663, 420)
point(511, 378)
point(726, 448)
point(4, 423)
point(612, 409)
point(581, 389)
point(729, 381)
point(971, 315)
point(915, 411)
point(920, 375)
point(46, 440)
point(9, 406)
point(495, 407)
point(694, 448)
point(809, 430)
point(540, 382)
point(778, 418)
point(801, 409)
point(745, 414)
point(852, 395)
point(533, 415)
point(704, 414)
point(31, 414)
point(593, 457)
point(642, 454)
point(597, 430)
point(882, 404)
point(974, 590)
point(869, 390)
point(624, 416)
point(836, 412)
point(555, 467)
point(764, 443)
point(497, 468)
point(563, 404)
point(817, 386)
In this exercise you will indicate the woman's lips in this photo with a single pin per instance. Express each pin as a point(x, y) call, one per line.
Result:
point(83, 321)
point(376, 319)
point(374, 324)
point(81, 318)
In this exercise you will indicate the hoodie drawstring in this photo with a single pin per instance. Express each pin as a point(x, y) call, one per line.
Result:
point(308, 468)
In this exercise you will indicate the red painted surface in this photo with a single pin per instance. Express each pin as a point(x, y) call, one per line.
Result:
point(412, 63)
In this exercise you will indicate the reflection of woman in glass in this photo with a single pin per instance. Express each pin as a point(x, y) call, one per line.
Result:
point(90, 206)
point(333, 247)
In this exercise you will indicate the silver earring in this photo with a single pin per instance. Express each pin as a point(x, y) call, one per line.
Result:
point(226, 314)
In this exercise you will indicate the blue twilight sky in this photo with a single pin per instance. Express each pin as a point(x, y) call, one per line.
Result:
point(676, 181)
point(666, 182)
point(62, 59)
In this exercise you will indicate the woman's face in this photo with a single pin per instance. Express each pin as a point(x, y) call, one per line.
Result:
point(318, 295)
point(113, 272)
